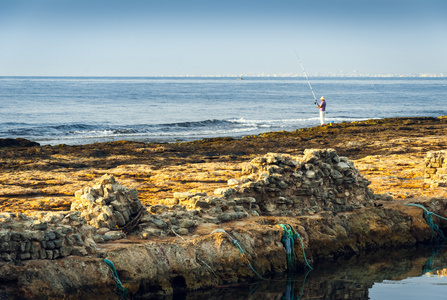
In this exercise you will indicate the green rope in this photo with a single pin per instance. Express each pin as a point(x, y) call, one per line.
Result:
point(304, 283)
point(120, 289)
point(236, 244)
point(429, 219)
point(288, 241)
point(428, 266)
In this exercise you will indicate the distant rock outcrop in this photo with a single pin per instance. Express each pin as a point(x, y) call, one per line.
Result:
point(18, 142)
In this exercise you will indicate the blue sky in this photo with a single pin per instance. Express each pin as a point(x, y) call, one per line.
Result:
point(220, 37)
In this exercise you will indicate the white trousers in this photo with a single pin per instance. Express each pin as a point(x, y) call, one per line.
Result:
point(322, 115)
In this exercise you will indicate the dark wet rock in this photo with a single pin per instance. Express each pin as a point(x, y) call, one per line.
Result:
point(18, 142)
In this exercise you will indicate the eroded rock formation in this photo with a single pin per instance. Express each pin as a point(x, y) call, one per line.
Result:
point(436, 168)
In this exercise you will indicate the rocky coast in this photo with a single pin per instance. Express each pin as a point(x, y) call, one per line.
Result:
point(168, 214)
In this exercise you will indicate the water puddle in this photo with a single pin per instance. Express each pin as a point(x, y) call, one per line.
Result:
point(417, 273)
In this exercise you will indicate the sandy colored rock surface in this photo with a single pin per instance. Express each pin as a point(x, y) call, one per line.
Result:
point(388, 152)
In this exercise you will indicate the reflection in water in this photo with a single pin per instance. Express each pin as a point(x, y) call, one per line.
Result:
point(438, 273)
point(431, 284)
point(403, 274)
point(430, 265)
point(289, 293)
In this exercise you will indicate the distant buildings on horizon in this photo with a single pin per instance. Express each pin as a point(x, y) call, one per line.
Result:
point(355, 74)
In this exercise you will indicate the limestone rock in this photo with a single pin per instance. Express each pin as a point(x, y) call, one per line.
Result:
point(318, 174)
point(107, 204)
point(436, 168)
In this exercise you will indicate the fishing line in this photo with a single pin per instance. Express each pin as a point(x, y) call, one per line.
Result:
point(308, 81)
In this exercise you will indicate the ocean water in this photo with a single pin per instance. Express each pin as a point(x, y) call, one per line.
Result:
point(84, 110)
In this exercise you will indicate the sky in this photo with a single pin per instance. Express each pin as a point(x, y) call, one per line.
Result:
point(221, 37)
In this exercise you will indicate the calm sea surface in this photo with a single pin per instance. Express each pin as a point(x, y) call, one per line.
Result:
point(69, 110)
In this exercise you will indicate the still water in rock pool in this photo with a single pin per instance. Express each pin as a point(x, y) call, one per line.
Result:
point(417, 273)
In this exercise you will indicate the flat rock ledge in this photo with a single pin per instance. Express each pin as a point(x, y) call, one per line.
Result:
point(184, 244)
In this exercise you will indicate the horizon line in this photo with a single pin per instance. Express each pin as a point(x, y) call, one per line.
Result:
point(247, 75)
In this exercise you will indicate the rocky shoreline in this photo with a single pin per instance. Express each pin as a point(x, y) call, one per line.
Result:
point(167, 215)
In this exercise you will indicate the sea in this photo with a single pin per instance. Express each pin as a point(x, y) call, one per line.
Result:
point(85, 110)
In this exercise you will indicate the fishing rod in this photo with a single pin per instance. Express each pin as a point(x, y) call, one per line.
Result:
point(308, 81)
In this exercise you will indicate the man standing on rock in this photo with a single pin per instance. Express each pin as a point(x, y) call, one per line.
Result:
point(322, 108)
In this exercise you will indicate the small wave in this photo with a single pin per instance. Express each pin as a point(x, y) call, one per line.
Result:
point(124, 131)
point(196, 123)
point(31, 130)
point(14, 124)
point(72, 127)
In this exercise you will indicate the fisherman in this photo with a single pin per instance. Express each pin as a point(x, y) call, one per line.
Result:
point(322, 108)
